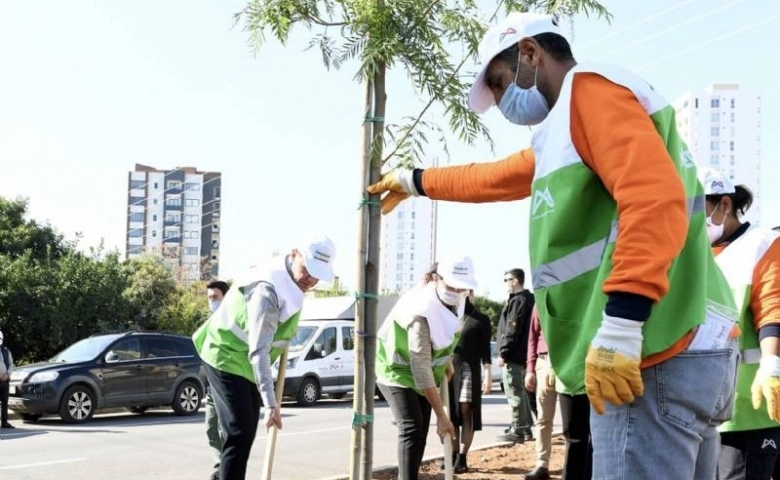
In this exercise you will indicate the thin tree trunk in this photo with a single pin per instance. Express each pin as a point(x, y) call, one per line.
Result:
point(358, 399)
point(372, 270)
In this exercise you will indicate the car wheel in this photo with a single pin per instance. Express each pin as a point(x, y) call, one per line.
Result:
point(336, 396)
point(77, 405)
point(187, 399)
point(30, 417)
point(138, 410)
point(308, 393)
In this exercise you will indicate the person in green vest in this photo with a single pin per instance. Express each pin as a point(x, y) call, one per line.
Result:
point(215, 292)
point(630, 300)
point(245, 336)
point(414, 352)
point(749, 257)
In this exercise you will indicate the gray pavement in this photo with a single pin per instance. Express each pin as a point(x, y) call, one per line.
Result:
point(314, 444)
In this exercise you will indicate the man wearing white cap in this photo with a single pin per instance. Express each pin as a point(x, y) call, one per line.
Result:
point(415, 346)
point(247, 334)
point(622, 272)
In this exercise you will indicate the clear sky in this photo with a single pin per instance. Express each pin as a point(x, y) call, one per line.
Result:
point(89, 88)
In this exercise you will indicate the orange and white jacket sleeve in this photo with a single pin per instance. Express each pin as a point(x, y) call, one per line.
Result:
point(616, 138)
point(501, 180)
point(765, 294)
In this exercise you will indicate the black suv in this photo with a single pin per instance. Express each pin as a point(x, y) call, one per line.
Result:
point(136, 370)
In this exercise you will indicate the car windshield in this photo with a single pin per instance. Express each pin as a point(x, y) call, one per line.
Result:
point(85, 350)
point(301, 338)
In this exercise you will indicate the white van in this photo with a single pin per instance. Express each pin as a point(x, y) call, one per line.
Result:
point(321, 358)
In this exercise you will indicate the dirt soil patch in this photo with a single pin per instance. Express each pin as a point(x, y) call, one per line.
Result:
point(497, 463)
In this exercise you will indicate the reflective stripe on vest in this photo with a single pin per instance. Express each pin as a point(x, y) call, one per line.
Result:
point(398, 359)
point(589, 257)
point(750, 355)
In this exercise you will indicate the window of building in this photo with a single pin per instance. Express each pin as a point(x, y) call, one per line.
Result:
point(137, 217)
point(154, 202)
point(714, 159)
point(191, 218)
point(399, 277)
point(172, 234)
point(137, 200)
point(136, 232)
point(137, 184)
point(715, 131)
point(156, 186)
point(732, 116)
point(695, 103)
point(715, 145)
point(173, 185)
point(190, 250)
point(412, 215)
point(731, 145)
point(191, 202)
point(191, 235)
point(135, 250)
point(685, 104)
point(192, 186)
point(217, 192)
point(217, 206)
point(731, 160)
point(715, 103)
point(173, 218)
point(733, 102)
point(173, 202)
point(399, 256)
point(400, 214)
point(715, 117)
point(154, 233)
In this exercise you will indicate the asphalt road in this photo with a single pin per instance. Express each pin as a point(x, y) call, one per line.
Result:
point(313, 445)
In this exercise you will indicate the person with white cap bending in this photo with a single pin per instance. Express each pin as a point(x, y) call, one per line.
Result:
point(415, 347)
point(247, 334)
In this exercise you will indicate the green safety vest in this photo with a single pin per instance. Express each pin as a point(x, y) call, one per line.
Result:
point(223, 340)
point(573, 229)
point(738, 262)
point(393, 359)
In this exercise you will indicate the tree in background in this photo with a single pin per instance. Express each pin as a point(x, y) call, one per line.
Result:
point(491, 308)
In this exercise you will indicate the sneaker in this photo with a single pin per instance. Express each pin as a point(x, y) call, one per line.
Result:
point(539, 473)
point(528, 435)
point(513, 437)
point(7, 425)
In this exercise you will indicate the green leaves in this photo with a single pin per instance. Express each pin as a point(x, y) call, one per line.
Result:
point(430, 39)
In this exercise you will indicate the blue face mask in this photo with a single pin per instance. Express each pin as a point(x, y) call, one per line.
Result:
point(521, 106)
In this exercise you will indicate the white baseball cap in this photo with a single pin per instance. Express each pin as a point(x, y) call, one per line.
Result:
point(715, 183)
point(318, 254)
point(498, 38)
point(457, 271)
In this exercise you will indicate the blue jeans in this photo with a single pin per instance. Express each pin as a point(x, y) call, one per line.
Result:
point(670, 432)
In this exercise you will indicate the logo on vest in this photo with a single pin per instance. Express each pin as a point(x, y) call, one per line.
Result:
point(687, 158)
point(542, 198)
point(768, 442)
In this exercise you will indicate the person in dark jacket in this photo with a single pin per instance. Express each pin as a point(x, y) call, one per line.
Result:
point(513, 327)
point(470, 359)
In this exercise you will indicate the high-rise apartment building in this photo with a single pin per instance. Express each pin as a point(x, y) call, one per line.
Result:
point(722, 127)
point(408, 246)
point(175, 214)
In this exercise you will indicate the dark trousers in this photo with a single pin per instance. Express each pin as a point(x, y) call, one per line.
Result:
point(237, 402)
point(412, 414)
point(575, 414)
point(4, 388)
point(748, 455)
